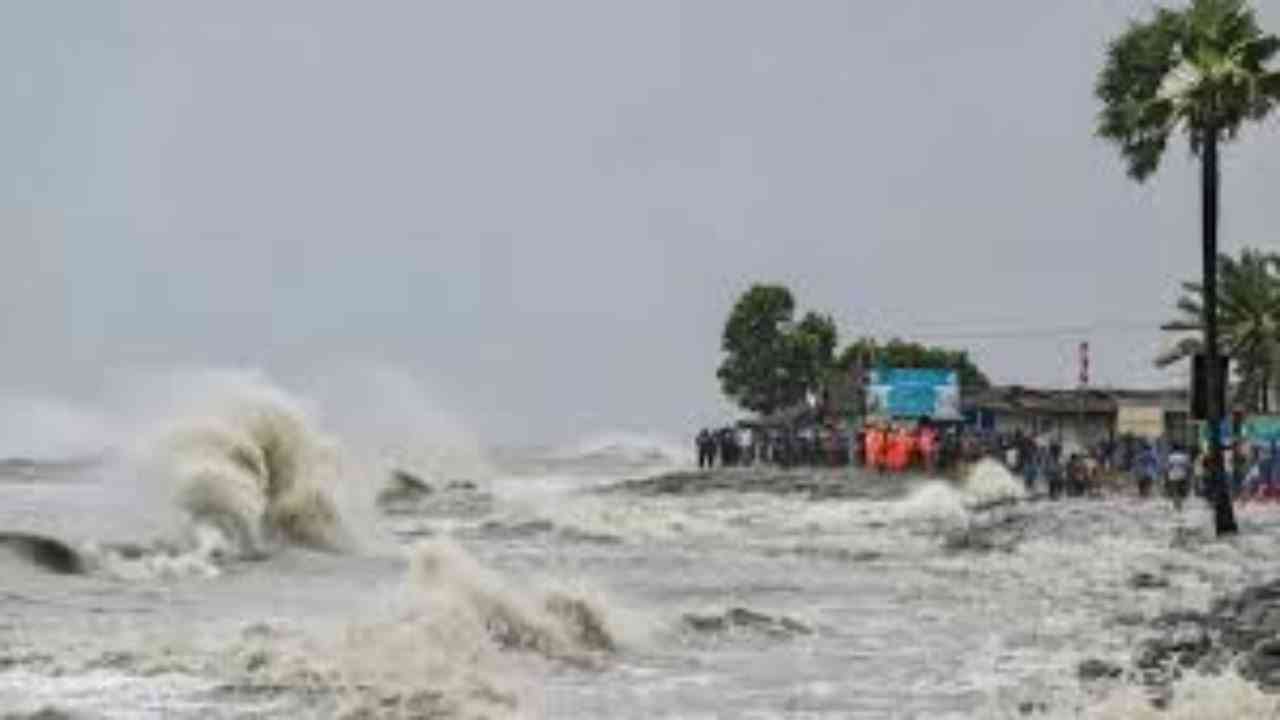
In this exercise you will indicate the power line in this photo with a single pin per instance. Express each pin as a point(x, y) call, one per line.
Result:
point(1034, 332)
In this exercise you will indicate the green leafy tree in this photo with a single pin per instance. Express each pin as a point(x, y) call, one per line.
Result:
point(1248, 323)
point(1201, 70)
point(813, 342)
point(905, 354)
point(770, 360)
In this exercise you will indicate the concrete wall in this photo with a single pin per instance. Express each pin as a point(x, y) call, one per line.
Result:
point(1073, 428)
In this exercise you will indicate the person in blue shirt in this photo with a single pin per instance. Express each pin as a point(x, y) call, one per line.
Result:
point(1146, 468)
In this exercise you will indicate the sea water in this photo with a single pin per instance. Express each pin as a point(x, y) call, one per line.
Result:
point(244, 555)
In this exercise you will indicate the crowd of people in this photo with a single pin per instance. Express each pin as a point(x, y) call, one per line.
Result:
point(1043, 463)
point(1252, 469)
point(746, 446)
point(884, 447)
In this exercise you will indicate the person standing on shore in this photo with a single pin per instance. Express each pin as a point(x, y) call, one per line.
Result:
point(746, 446)
point(1146, 468)
point(1178, 477)
point(875, 442)
point(1053, 473)
point(928, 448)
point(727, 441)
point(706, 449)
point(1012, 457)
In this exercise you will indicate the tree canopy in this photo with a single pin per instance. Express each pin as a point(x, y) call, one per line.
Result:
point(770, 360)
point(1201, 69)
point(1248, 318)
point(906, 354)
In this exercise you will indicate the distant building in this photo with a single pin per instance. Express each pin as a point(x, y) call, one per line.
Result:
point(1073, 416)
point(1082, 416)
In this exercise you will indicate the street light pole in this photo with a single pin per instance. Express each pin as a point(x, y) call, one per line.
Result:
point(1084, 385)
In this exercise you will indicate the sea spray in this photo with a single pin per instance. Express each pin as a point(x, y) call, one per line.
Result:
point(390, 419)
point(558, 625)
point(215, 465)
point(987, 483)
point(990, 482)
point(251, 464)
point(455, 639)
point(1194, 697)
point(934, 501)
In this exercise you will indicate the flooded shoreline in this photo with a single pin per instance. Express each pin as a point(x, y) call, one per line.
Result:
point(580, 591)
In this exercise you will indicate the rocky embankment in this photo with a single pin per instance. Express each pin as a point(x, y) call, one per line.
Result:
point(1240, 631)
point(815, 483)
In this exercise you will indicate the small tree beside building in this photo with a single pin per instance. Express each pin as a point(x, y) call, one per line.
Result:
point(771, 361)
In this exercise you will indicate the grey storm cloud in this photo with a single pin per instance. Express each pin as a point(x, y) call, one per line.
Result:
point(547, 209)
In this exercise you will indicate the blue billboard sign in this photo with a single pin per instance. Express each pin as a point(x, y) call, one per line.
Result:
point(914, 393)
point(1262, 428)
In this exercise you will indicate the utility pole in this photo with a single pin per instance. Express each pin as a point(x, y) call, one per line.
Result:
point(1215, 384)
point(1084, 384)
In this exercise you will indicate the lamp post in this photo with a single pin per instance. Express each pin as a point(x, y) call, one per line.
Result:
point(1214, 383)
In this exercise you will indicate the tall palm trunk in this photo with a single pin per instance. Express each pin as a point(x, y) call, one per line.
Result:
point(1223, 513)
point(1266, 389)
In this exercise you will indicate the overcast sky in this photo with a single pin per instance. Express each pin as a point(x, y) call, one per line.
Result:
point(544, 210)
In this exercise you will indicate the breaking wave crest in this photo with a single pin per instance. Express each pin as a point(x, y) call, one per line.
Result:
point(988, 483)
point(252, 465)
point(556, 624)
point(457, 640)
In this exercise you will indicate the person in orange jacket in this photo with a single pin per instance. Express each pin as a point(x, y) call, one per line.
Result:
point(875, 448)
point(899, 450)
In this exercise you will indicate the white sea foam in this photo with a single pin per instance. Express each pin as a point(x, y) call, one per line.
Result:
point(391, 419)
point(989, 481)
point(933, 501)
point(1194, 697)
point(457, 639)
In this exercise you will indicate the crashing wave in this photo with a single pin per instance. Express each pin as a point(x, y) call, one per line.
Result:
point(45, 552)
point(987, 485)
point(990, 483)
point(455, 641)
point(554, 624)
point(253, 467)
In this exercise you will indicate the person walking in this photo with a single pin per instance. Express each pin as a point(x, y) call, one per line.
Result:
point(1177, 481)
point(1146, 469)
point(1053, 473)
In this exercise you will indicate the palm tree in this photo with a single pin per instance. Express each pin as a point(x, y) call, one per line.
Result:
point(1201, 70)
point(1248, 323)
